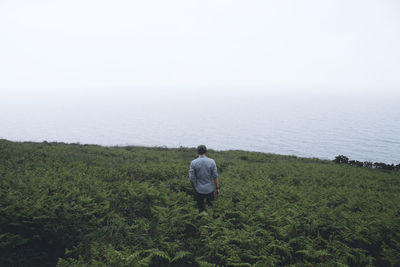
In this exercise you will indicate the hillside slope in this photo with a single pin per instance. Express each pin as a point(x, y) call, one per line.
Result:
point(71, 204)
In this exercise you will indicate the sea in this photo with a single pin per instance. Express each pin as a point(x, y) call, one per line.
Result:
point(361, 127)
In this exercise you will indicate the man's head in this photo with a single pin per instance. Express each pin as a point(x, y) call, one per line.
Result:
point(201, 149)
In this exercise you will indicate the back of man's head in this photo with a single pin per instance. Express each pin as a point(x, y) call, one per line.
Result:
point(201, 149)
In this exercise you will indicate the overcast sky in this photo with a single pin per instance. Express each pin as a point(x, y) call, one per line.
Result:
point(300, 46)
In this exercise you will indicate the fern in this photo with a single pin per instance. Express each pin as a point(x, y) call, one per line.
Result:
point(181, 255)
point(84, 205)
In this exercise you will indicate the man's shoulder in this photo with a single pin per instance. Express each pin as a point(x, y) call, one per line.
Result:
point(208, 158)
point(211, 159)
point(194, 161)
point(202, 159)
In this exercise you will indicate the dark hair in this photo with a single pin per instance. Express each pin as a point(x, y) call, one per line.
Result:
point(201, 149)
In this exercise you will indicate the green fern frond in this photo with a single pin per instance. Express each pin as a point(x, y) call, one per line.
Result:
point(180, 255)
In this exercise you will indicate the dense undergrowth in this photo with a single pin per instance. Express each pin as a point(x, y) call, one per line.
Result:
point(76, 205)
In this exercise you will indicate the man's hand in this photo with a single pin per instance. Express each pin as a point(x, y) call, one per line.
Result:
point(193, 186)
point(218, 192)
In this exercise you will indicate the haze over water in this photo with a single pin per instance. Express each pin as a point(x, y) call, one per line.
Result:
point(360, 127)
point(307, 77)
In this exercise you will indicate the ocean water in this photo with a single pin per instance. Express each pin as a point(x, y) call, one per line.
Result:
point(360, 127)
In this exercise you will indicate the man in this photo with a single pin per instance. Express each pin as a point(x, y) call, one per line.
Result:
point(202, 173)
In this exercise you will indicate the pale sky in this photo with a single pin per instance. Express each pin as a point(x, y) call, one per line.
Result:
point(217, 45)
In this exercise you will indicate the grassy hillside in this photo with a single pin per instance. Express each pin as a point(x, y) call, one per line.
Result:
point(72, 205)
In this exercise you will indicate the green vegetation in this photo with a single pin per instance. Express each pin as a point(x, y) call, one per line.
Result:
point(366, 164)
point(77, 205)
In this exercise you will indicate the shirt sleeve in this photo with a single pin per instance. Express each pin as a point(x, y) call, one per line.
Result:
point(192, 173)
point(214, 170)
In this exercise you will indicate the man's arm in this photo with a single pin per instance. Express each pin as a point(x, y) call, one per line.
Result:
point(217, 187)
point(216, 181)
point(192, 175)
point(193, 185)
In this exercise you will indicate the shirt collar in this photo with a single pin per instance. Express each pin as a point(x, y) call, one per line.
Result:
point(202, 156)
